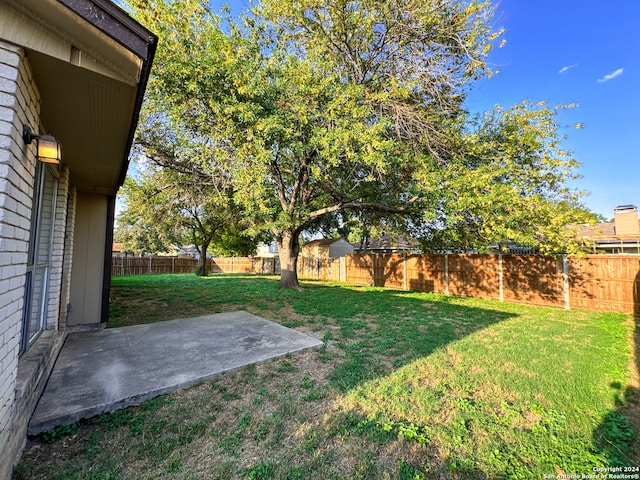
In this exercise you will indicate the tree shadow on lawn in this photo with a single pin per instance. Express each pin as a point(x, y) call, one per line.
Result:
point(380, 330)
point(453, 374)
point(618, 435)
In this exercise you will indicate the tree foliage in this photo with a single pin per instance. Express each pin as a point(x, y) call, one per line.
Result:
point(165, 207)
point(320, 106)
point(510, 182)
point(311, 109)
point(141, 226)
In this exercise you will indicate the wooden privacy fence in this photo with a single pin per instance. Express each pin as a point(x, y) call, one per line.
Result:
point(314, 268)
point(150, 265)
point(334, 269)
point(596, 282)
point(145, 265)
point(263, 265)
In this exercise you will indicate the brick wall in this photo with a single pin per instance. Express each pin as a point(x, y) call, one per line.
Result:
point(58, 250)
point(65, 283)
point(19, 104)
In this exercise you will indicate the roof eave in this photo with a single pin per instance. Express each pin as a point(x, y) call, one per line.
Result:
point(118, 25)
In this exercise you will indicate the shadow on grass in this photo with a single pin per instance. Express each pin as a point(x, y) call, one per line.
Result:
point(618, 434)
point(383, 330)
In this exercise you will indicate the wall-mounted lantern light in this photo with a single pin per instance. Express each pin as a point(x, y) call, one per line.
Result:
point(48, 147)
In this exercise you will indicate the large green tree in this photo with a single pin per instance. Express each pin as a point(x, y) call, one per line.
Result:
point(180, 204)
point(197, 188)
point(508, 182)
point(163, 207)
point(141, 224)
point(319, 107)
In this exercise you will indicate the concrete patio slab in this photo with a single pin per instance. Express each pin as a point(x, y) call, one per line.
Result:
point(102, 371)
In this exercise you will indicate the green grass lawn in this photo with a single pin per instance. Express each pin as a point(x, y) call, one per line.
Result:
point(408, 386)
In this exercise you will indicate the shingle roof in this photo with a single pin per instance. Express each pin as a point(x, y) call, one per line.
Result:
point(387, 242)
point(323, 242)
point(600, 231)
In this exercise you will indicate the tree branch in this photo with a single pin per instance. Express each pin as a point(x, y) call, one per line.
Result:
point(301, 180)
point(281, 188)
point(373, 206)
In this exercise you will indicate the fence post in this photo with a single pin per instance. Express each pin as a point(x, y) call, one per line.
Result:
point(173, 264)
point(150, 267)
point(404, 271)
point(501, 295)
point(446, 274)
point(565, 275)
point(373, 269)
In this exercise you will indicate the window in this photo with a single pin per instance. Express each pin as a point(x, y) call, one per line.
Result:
point(34, 319)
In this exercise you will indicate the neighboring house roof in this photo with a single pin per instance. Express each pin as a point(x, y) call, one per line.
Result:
point(94, 62)
point(605, 229)
point(621, 234)
point(386, 243)
point(324, 242)
point(116, 248)
point(187, 250)
point(626, 225)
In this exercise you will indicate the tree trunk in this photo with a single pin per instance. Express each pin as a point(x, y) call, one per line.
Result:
point(288, 249)
point(201, 269)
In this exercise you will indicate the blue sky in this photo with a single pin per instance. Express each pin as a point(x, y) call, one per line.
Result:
point(566, 51)
point(587, 52)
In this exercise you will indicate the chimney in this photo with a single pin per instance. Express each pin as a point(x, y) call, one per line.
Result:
point(626, 217)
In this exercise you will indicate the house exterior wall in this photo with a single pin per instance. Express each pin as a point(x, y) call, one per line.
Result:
point(57, 251)
point(266, 250)
point(316, 251)
point(78, 69)
point(628, 246)
point(88, 268)
point(323, 249)
point(22, 378)
point(67, 263)
point(19, 103)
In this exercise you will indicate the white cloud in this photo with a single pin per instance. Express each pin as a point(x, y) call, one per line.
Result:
point(610, 76)
point(564, 69)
